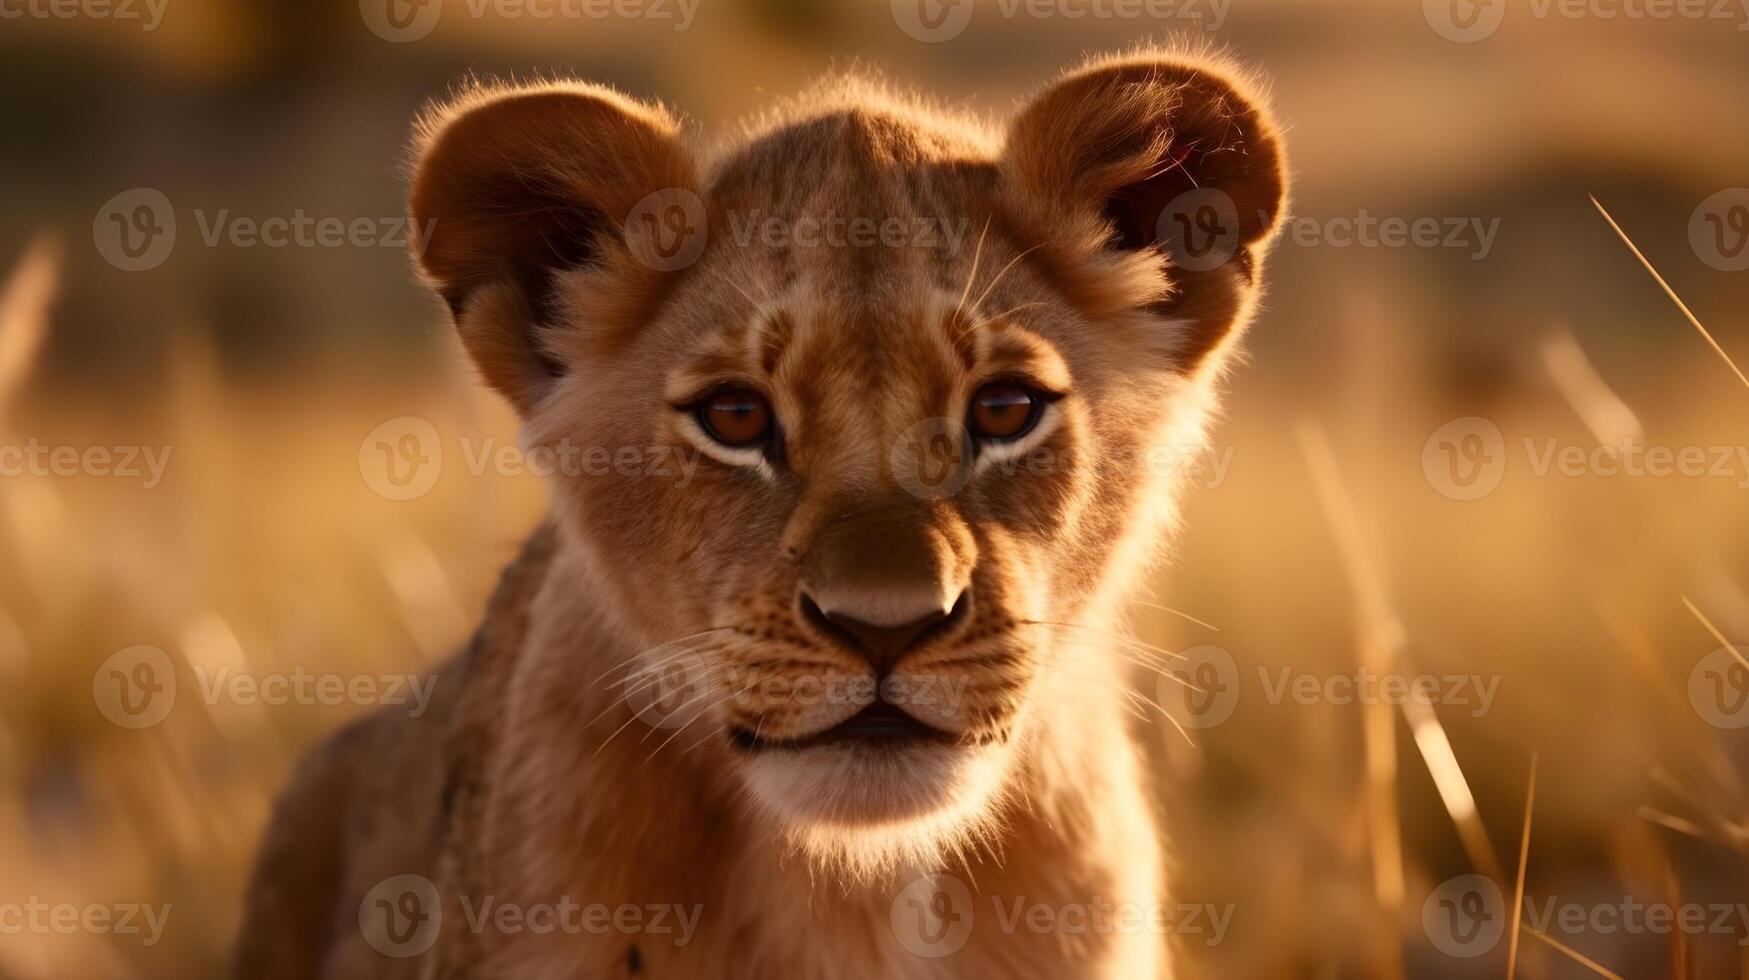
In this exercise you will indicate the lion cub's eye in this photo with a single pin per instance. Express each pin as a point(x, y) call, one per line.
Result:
point(1003, 411)
point(735, 417)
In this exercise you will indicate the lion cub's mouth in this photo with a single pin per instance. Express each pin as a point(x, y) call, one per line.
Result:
point(880, 724)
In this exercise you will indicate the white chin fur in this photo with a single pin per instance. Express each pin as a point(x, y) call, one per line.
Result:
point(868, 810)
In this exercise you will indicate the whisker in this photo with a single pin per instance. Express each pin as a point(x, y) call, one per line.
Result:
point(701, 713)
point(1166, 715)
point(1176, 612)
point(1013, 310)
point(623, 726)
point(977, 256)
point(705, 692)
point(1161, 651)
point(665, 643)
point(1011, 264)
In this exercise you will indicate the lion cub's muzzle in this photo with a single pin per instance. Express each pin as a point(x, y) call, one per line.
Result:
point(887, 585)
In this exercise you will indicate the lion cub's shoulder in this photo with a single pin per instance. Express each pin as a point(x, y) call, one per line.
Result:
point(381, 798)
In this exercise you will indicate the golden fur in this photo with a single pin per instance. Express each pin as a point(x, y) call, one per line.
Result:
point(593, 744)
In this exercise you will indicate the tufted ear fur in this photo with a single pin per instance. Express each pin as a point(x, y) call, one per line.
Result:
point(1134, 158)
point(513, 187)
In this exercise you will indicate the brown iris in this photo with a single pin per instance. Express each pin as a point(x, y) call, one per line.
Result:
point(1004, 411)
point(736, 417)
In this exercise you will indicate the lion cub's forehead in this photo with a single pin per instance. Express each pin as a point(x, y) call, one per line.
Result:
point(862, 197)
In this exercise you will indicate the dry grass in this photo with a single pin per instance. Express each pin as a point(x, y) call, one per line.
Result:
point(264, 549)
point(1325, 827)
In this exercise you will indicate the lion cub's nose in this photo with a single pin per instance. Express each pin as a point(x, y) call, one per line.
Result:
point(884, 643)
point(881, 577)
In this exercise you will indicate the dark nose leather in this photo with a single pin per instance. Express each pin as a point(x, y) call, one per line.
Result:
point(883, 646)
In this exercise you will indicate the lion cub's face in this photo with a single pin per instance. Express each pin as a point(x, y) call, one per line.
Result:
point(893, 404)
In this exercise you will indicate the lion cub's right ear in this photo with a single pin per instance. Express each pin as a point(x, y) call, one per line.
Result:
point(513, 187)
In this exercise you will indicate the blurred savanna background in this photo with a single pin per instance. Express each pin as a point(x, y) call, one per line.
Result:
point(1464, 447)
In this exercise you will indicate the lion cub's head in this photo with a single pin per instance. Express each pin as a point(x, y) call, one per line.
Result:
point(861, 420)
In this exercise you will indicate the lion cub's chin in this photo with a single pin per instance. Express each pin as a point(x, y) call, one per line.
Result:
point(869, 809)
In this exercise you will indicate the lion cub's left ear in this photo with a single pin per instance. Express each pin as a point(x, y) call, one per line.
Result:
point(514, 187)
point(1133, 158)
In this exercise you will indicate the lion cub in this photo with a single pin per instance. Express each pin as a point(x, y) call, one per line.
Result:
point(838, 697)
